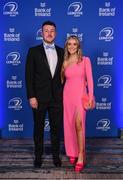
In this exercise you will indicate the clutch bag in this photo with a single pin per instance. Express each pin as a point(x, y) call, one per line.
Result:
point(85, 102)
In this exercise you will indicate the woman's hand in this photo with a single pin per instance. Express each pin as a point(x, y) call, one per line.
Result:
point(91, 104)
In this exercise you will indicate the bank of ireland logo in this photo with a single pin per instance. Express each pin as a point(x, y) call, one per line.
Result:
point(103, 124)
point(75, 32)
point(10, 9)
point(13, 58)
point(106, 34)
point(16, 126)
point(75, 9)
point(38, 34)
point(104, 81)
point(15, 103)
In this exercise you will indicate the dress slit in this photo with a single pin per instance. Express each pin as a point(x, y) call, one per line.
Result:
point(79, 115)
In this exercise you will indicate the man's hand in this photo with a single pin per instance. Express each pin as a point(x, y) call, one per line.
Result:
point(33, 103)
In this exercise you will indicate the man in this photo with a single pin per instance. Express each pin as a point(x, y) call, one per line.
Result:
point(44, 91)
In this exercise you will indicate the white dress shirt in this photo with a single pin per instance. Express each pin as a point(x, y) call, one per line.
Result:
point(51, 56)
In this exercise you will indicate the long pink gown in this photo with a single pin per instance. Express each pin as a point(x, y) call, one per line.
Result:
point(72, 100)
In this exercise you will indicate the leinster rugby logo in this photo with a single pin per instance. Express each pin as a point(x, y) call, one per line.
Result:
point(106, 34)
point(75, 9)
point(47, 125)
point(15, 103)
point(13, 58)
point(103, 124)
point(38, 35)
point(104, 81)
point(10, 9)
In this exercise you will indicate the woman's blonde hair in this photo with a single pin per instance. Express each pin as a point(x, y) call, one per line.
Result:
point(79, 51)
point(67, 54)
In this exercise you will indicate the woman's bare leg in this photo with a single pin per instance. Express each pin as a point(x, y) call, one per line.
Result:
point(79, 132)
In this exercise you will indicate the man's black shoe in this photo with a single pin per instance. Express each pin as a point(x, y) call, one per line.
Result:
point(37, 164)
point(57, 162)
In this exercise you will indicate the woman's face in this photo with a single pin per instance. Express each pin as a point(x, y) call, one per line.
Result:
point(72, 46)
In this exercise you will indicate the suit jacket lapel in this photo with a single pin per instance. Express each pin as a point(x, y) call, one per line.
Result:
point(58, 62)
point(44, 57)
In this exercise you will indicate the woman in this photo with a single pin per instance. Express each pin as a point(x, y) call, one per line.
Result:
point(77, 74)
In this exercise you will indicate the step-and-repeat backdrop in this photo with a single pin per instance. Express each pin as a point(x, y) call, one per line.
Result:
point(98, 24)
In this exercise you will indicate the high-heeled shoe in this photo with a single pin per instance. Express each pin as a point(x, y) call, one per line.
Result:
point(79, 166)
point(72, 160)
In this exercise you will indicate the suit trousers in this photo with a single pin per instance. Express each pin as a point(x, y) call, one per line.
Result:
point(55, 112)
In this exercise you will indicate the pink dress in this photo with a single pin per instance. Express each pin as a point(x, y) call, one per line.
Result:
point(72, 100)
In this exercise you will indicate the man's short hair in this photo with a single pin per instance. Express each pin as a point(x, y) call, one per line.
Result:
point(48, 23)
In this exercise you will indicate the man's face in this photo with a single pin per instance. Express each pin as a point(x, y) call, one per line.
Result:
point(48, 33)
